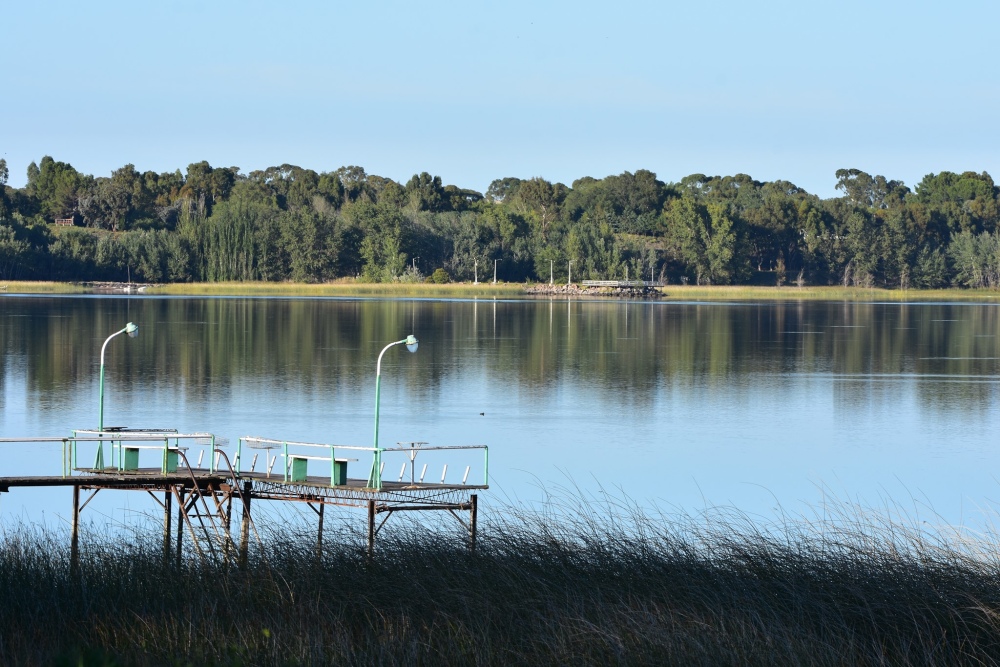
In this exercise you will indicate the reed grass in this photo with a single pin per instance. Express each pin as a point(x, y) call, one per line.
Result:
point(584, 585)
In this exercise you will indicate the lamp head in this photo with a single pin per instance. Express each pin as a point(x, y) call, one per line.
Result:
point(132, 330)
point(411, 343)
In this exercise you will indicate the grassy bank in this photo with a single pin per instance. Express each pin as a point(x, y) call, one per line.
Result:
point(349, 288)
point(40, 287)
point(594, 587)
point(828, 293)
point(345, 288)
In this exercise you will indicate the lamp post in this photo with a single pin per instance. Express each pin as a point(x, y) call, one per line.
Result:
point(132, 330)
point(569, 279)
point(494, 272)
point(375, 479)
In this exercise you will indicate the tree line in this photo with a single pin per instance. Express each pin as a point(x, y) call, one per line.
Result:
point(287, 223)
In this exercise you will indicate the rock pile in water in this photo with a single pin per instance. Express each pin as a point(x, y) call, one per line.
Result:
point(574, 289)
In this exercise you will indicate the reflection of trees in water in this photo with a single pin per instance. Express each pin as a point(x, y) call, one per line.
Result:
point(626, 351)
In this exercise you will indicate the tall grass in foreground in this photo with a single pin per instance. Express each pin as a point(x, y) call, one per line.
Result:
point(591, 587)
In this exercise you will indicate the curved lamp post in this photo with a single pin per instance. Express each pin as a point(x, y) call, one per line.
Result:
point(132, 330)
point(375, 479)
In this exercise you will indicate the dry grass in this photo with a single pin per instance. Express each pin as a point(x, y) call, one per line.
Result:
point(343, 288)
point(792, 293)
point(40, 287)
point(353, 288)
point(607, 584)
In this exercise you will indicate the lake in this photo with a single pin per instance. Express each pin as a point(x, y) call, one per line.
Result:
point(765, 407)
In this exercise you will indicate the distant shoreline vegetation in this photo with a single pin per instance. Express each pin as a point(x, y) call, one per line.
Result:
point(288, 224)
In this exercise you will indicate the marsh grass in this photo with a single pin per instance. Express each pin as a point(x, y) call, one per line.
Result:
point(40, 287)
point(343, 288)
point(352, 288)
point(821, 293)
point(582, 584)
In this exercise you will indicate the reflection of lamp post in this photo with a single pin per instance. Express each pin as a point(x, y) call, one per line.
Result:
point(132, 330)
point(375, 479)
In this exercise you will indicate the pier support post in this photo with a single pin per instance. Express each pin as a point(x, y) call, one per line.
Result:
point(180, 522)
point(245, 523)
point(74, 540)
point(371, 530)
point(473, 512)
point(319, 535)
point(167, 515)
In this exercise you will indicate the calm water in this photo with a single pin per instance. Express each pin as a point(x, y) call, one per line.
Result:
point(679, 405)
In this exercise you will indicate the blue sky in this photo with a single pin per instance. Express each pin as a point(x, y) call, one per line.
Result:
point(474, 91)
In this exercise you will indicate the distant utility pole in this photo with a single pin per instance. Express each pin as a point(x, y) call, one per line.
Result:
point(494, 272)
point(569, 280)
point(475, 274)
point(550, 272)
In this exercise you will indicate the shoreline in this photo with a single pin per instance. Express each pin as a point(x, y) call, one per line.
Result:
point(505, 290)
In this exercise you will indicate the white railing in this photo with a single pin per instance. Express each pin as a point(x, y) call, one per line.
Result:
point(125, 447)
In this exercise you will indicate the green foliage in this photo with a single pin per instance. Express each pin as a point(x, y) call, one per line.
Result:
point(290, 223)
point(53, 185)
point(440, 276)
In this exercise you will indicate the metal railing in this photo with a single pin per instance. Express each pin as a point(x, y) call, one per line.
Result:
point(254, 442)
point(295, 461)
point(127, 443)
